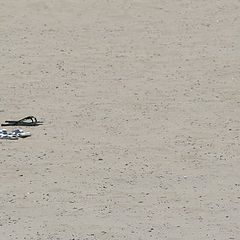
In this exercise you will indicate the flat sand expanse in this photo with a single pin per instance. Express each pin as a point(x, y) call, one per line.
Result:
point(141, 104)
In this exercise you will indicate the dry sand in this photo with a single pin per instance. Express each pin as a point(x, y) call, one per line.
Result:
point(141, 107)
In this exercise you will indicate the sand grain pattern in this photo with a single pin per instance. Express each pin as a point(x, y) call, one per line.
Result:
point(141, 107)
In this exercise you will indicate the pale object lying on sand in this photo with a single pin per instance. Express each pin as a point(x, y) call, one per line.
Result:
point(14, 135)
point(20, 133)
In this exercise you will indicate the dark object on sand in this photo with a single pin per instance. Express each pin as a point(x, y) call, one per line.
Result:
point(27, 121)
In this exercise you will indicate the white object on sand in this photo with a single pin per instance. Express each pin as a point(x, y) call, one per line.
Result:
point(14, 135)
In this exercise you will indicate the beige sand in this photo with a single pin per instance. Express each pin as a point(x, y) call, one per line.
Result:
point(141, 107)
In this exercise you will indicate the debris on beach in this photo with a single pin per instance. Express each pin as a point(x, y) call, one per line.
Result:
point(27, 121)
point(13, 135)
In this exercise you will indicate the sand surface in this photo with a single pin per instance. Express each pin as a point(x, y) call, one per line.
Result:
point(141, 103)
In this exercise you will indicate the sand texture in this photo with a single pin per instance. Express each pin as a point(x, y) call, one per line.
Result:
point(141, 105)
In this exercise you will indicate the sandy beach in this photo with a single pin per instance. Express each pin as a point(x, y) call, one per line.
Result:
point(141, 107)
